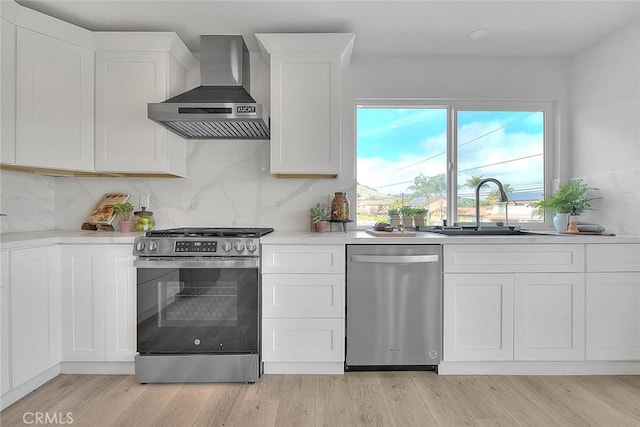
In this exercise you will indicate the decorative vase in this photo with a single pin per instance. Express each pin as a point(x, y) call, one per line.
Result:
point(340, 207)
point(321, 226)
point(561, 221)
point(125, 226)
point(394, 220)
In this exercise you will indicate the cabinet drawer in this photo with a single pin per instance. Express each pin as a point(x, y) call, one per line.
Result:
point(613, 257)
point(303, 295)
point(303, 340)
point(513, 258)
point(302, 259)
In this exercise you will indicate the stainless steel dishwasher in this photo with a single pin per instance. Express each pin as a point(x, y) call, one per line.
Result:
point(394, 307)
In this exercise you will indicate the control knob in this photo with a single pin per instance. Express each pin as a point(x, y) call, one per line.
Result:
point(153, 245)
point(251, 246)
point(239, 246)
point(226, 246)
point(140, 245)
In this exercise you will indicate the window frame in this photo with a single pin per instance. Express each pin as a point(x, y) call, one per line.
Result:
point(452, 106)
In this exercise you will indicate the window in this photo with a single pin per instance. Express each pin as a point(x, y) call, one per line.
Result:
point(414, 155)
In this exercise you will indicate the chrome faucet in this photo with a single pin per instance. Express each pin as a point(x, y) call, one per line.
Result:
point(502, 196)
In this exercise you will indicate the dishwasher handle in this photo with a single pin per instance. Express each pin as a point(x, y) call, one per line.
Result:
point(395, 259)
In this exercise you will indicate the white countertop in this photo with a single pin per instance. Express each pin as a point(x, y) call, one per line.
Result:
point(44, 238)
point(362, 237)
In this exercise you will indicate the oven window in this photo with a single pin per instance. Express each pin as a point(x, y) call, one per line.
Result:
point(197, 310)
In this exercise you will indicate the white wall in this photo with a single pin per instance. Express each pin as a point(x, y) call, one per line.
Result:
point(605, 127)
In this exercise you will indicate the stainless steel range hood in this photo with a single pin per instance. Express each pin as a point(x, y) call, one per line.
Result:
point(221, 108)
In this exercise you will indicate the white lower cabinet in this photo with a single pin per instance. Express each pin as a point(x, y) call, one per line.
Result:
point(5, 317)
point(532, 310)
point(303, 314)
point(35, 312)
point(98, 303)
point(478, 317)
point(549, 314)
point(613, 302)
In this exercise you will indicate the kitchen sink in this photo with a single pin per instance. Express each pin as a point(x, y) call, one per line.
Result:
point(483, 231)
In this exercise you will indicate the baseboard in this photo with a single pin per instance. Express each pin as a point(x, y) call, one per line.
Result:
point(97, 368)
point(322, 368)
point(22, 390)
point(540, 368)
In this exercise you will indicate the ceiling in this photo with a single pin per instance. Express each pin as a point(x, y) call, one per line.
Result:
point(390, 28)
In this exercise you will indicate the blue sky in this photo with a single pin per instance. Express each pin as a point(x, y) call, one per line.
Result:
point(395, 145)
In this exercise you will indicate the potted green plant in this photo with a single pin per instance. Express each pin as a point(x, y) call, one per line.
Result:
point(419, 215)
point(407, 215)
point(320, 215)
point(573, 196)
point(125, 215)
point(394, 216)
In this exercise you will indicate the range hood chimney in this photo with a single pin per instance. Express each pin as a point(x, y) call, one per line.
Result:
point(221, 108)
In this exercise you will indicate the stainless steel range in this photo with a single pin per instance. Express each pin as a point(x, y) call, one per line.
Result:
point(198, 305)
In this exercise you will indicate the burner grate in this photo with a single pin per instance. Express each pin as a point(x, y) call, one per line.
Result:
point(209, 232)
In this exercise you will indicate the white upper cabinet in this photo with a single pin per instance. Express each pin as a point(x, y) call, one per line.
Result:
point(306, 98)
point(132, 70)
point(54, 96)
point(8, 92)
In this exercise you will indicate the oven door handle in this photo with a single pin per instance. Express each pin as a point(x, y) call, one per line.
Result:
point(197, 262)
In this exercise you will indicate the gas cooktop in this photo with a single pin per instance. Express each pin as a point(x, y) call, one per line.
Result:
point(209, 232)
point(200, 241)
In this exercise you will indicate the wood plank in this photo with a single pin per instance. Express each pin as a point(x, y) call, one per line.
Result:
point(405, 402)
point(297, 402)
point(439, 397)
point(333, 402)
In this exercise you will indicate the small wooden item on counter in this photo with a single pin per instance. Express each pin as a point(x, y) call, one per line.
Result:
point(102, 215)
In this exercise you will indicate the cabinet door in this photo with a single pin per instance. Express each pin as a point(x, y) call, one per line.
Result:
point(305, 114)
point(549, 316)
point(35, 311)
point(126, 140)
point(83, 284)
point(302, 340)
point(54, 103)
point(8, 93)
point(613, 316)
point(303, 259)
point(303, 295)
point(5, 337)
point(120, 302)
point(478, 317)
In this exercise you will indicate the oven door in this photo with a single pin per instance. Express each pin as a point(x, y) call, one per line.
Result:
point(198, 305)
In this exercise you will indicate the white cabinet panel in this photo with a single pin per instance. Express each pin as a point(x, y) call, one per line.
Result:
point(5, 318)
point(613, 257)
point(35, 311)
point(120, 301)
point(82, 303)
point(126, 139)
point(54, 103)
point(549, 316)
point(513, 258)
point(306, 100)
point(303, 295)
point(308, 340)
point(303, 259)
point(613, 316)
point(8, 92)
point(478, 320)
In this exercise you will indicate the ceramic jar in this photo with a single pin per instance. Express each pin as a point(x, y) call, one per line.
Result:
point(340, 207)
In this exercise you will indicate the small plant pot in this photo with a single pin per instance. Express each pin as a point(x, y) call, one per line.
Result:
point(561, 221)
point(321, 226)
point(125, 226)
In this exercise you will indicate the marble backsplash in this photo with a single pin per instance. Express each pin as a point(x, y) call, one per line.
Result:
point(228, 184)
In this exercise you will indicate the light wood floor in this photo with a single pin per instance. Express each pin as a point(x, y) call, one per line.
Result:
point(353, 399)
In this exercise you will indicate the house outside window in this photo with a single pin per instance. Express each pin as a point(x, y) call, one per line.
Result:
point(431, 156)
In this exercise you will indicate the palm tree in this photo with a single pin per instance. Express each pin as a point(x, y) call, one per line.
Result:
point(420, 186)
point(430, 186)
